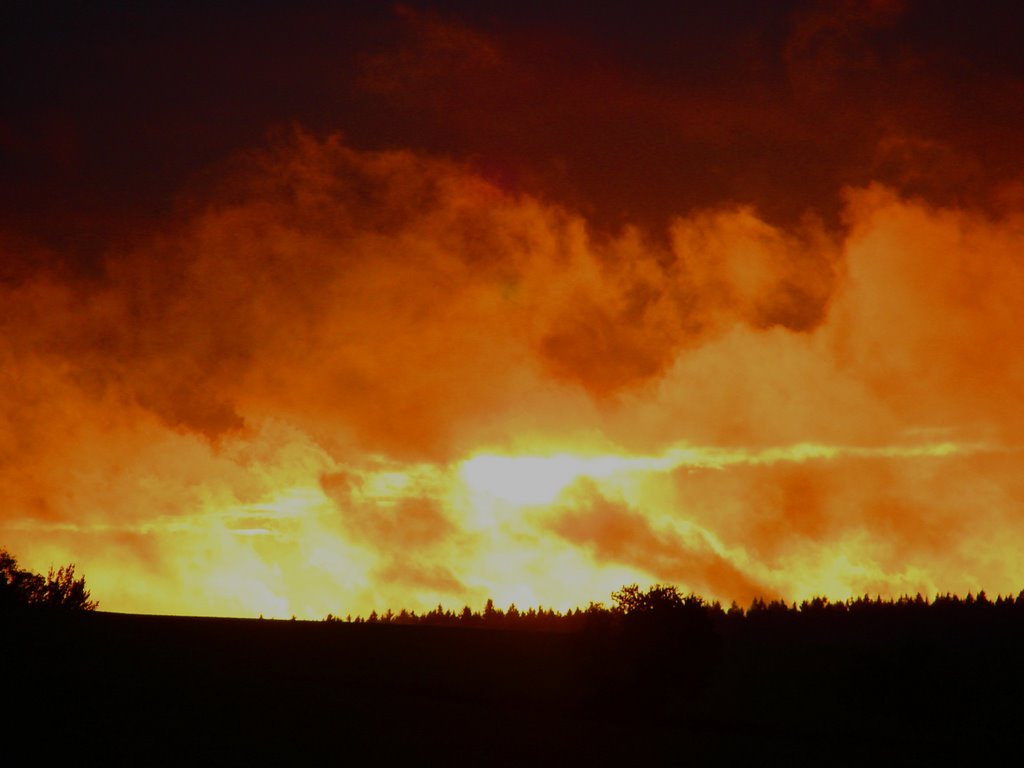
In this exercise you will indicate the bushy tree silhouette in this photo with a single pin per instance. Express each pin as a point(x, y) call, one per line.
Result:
point(660, 599)
point(63, 590)
point(58, 589)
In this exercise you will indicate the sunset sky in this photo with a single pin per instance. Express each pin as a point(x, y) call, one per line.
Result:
point(310, 309)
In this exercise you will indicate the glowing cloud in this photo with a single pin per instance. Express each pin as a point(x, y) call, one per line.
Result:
point(358, 379)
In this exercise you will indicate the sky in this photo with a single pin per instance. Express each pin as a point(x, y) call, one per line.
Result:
point(310, 309)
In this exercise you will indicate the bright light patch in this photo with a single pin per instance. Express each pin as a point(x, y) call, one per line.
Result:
point(387, 485)
point(521, 480)
point(290, 503)
point(537, 480)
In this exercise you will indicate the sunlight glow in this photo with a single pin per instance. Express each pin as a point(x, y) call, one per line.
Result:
point(536, 480)
point(289, 503)
point(492, 522)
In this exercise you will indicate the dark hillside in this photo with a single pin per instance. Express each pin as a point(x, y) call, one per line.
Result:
point(832, 688)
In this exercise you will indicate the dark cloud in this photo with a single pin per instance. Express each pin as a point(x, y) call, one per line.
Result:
point(114, 116)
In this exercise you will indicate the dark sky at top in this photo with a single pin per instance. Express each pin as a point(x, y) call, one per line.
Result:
point(116, 116)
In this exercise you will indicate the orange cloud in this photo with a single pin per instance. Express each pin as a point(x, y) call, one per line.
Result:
point(271, 406)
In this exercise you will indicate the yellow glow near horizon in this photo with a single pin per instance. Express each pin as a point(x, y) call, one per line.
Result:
point(477, 528)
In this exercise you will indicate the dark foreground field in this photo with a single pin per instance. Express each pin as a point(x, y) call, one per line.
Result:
point(141, 690)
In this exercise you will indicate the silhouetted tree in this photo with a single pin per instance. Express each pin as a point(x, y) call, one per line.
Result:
point(491, 614)
point(58, 589)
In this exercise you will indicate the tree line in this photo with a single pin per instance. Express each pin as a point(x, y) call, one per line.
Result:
point(663, 604)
